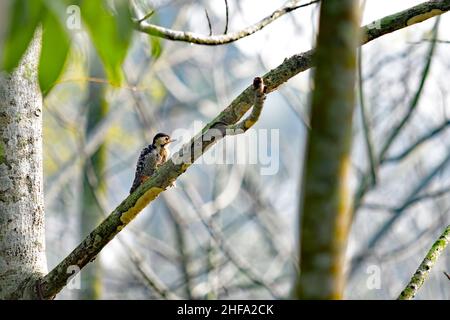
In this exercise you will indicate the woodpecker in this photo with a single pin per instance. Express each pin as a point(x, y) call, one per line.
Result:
point(151, 158)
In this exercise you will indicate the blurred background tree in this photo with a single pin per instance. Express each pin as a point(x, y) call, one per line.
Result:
point(94, 184)
point(325, 208)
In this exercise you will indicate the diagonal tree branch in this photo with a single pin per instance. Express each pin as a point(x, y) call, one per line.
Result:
point(424, 269)
point(365, 122)
point(88, 249)
point(405, 18)
point(215, 233)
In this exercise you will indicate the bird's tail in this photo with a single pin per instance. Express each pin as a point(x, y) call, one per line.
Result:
point(138, 180)
point(135, 184)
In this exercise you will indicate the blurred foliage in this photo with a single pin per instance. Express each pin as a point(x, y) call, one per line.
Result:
point(24, 18)
point(155, 42)
point(157, 91)
point(110, 29)
point(110, 34)
point(55, 46)
point(156, 47)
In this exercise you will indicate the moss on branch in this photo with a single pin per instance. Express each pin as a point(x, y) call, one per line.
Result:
point(428, 262)
point(405, 18)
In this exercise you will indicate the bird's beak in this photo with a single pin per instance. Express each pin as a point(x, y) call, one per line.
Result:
point(172, 140)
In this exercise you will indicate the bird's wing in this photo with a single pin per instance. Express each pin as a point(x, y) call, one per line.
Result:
point(140, 167)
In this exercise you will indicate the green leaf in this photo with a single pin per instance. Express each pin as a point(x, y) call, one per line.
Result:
point(24, 18)
point(111, 34)
point(55, 47)
point(155, 42)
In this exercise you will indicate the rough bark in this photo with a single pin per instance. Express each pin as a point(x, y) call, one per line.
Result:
point(22, 237)
point(325, 209)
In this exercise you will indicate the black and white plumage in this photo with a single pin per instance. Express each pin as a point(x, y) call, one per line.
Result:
point(150, 159)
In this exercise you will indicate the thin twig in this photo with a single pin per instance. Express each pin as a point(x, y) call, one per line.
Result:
point(415, 101)
point(447, 275)
point(226, 17)
point(366, 184)
point(430, 40)
point(426, 196)
point(429, 135)
point(209, 22)
point(180, 237)
point(215, 234)
point(365, 121)
point(148, 15)
point(398, 213)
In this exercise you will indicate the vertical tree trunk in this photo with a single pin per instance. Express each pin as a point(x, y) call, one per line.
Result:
point(22, 234)
point(325, 210)
point(93, 181)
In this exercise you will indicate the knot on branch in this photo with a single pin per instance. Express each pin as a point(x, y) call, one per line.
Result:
point(258, 85)
point(260, 91)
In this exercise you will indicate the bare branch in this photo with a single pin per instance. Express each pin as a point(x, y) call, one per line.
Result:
point(398, 213)
point(447, 275)
point(148, 15)
point(426, 137)
point(424, 269)
point(181, 245)
point(209, 22)
point(405, 18)
point(191, 37)
point(226, 17)
point(416, 98)
point(147, 274)
point(215, 234)
point(365, 122)
point(366, 183)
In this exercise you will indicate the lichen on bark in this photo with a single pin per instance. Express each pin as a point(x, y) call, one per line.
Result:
point(22, 237)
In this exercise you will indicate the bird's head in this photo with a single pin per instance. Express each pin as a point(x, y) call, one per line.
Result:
point(161, 140)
